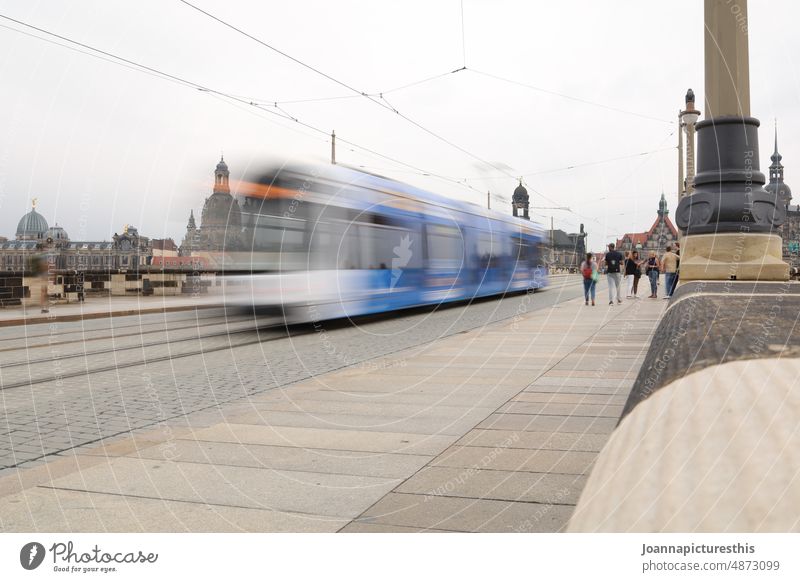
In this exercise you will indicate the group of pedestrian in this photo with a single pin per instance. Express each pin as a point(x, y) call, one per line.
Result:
point(631, 265)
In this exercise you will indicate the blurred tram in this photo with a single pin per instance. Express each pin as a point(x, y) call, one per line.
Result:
point(329, 242)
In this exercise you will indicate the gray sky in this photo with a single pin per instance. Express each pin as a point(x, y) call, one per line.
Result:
point(101, 145)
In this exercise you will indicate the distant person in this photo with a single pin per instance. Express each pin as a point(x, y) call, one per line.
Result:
point(678, 268)
point(590, 272)
point(652, 269)
point(630, 271)
point(613, 262)
point(637, 274)
point(669, 266)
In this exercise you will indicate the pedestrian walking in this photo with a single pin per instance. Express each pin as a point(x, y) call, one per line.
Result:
point(652, 269)
point(630, 271)
point(637, 274)
point(613, 262)
point(669, 266)
point(678, 267)
point(590, 272)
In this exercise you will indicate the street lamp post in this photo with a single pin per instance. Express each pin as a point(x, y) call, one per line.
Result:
point(688, 119)
point(729, 221)
point(681, 181)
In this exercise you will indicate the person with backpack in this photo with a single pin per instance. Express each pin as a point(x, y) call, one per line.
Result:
point(590, 273)
point(613, 261)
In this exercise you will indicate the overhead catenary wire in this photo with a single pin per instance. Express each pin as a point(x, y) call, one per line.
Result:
point(372, 99)
point(577, 166)
point(274, 109)
point(122, 61)
point(570, 97)
point(382, 102)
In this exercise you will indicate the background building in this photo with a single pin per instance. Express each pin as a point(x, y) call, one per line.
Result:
point(790, 231)
point(34, 237)
point(656, 238)
point(567, 250)
point(220, 221)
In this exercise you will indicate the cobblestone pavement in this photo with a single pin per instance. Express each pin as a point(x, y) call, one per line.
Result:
point(67, 385)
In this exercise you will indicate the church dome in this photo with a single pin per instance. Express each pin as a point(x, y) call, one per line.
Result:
point(57, 234)
point(222, 166)
point(520, 194)
point(220, 210)
point(31, 226)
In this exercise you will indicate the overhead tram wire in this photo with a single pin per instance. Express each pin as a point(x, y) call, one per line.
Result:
point(378, 94)
point(387, 106)
point(570, 97)
point(350, 88)
point(127, 63)
point(576, 166)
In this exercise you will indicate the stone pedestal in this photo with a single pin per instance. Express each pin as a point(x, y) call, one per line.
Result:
point(730, 223)
point(739, 256)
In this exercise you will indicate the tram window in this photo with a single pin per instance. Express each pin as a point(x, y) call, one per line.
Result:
point(378, 244)
point(348, 255)
point(484, 250)
point(445, 247)
point(520, 250)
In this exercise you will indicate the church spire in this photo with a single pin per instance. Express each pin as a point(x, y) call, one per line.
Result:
point(221, 175)
point(776, 185)
point(662, 205)
point(776, 168)
point(192, 225)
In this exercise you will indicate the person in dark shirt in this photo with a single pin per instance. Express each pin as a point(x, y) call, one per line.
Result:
point(630, 271)
point(613, 262)
point(637, 274)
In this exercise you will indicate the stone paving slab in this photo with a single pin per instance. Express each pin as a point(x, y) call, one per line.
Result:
point(536, 440)
point(517, 459)
point(494, 484)
point(577, 409)
point(363, 527)
point(418, 424)
point(464, 514)
point(538, 422)
point(340, 462)
point(536, 450)
point(367, 408)
point(54, 510)
point(557, 398)
point(328, 439)
point(462, 442)
point(244, 487)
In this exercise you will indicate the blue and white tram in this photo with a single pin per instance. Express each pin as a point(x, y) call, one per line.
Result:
point(330, 242)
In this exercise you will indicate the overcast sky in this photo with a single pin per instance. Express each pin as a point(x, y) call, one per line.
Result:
point(101, 145)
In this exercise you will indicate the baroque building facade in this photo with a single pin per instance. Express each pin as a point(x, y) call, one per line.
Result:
point(660, 234)
point(34, 237)
point(220, 221)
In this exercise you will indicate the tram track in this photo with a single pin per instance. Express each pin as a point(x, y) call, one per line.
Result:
point(84, 332)
point(171, 355)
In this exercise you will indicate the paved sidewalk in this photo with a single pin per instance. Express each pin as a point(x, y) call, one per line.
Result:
point(489, 430)
point(97, 307)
